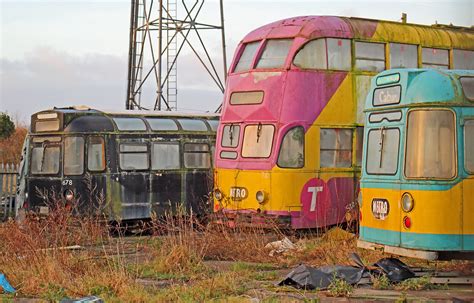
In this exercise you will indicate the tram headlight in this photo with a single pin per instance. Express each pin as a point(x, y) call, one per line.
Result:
point(261, 196)
point(217, 194)
point(407, 202)
point(68, 195)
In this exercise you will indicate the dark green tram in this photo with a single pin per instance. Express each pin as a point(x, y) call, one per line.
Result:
point(127, 165)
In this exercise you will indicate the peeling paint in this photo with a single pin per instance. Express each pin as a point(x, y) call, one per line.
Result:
point(257, 77)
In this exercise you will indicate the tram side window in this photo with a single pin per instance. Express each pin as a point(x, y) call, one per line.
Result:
point(369, 56)
point(230, 135)
point(382, 151)
point(313, 54)
point(435, 58)
point(45, 159)
point(403, 55)
point(165, 156)
point(292, 149)
point(467, 84)
point(335, 147)
point(197, 155)
point(96, 154)
point(359, 144)
point(431, 145)
point(275, 53)
point(463, 59)
point(73, 155)
point(246, 59)
point(258, 140)
point(133, 156)
point(469, 146)
point(130, 124)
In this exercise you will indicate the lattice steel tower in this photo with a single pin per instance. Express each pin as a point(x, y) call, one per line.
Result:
point(158, 33)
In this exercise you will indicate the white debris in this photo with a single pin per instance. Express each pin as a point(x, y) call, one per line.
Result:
point(280, 247)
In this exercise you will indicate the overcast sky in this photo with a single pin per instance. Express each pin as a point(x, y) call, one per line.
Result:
point(60, 53)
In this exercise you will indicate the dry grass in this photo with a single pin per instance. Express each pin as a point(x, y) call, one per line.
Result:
point(10, 148)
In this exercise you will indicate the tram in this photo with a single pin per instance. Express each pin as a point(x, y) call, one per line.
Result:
point(417, 184)
point(126, 165)
point(289, 146)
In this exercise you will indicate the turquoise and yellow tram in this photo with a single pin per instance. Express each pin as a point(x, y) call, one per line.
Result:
point(417, 185)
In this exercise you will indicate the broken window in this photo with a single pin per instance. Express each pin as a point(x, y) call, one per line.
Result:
point(258, 140)
point(292, 149)
point(336, 147)
point(73, 155)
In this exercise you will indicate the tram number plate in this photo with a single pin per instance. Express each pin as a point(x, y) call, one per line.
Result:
point(380, 208)
point(238, 193)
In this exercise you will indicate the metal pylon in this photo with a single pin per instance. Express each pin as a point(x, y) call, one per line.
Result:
point(160, 30)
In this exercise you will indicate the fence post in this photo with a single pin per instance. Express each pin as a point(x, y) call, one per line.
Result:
point(8, 178)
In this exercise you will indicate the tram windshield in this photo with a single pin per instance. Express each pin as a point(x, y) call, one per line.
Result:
point(45, 159)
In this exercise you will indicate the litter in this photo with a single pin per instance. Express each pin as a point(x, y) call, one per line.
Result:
point(91, 299)
point(7, 288)
point(394, 269)
point(280, 247)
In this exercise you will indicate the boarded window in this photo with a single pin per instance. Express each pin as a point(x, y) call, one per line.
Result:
point(335, 147)
point(73, 155)
point(162, 124)
point(238, 98)
point(230, 135)
point(133, 156)
point(45, 159)
point(469, 145)
point(369, 56)
point(431, 144)
point(292, 149)
point(193, 124)
point(463, 59)
point(328, 53)
point(382, 151)
point(275, 53)
point(403, 55)
point(96, 154)
point(165, 156)
point(197, 155)
point(467, 84)
point(434, 58)
point(246, 59)
point(258, 140)
point(130, 124)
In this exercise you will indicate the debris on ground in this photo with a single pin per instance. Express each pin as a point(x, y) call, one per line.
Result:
point(280, 247)
point(307, 277)
point(5, 286)
point(90, 299)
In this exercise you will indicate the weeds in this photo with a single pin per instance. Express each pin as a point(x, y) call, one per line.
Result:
point(421, 283)
point(381, 282)
point(340, 288)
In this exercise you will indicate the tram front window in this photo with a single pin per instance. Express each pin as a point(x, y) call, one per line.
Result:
point(45, 159)
point(258, 140)
point(431, 144)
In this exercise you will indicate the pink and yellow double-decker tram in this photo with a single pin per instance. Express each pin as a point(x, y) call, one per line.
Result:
point(290, 139)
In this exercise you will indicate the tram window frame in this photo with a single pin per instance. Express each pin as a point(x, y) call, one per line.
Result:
point(123, 153)
point(247, 64)
point(359, 145)
point(122, 125)
point(469, 92)
point(299, 161)
point(419, 138)
point(370, 155)
point(469, 154)
point(188, 152)
point(175, 156)
point(102, 155)
point(366, 55)
point(44, 147)
point(267, 148)
point(327, 59)
point(246, 97)
point(228, 154)
point(432, 62)
point(227, 133)
point(192, 125)
point(379, 90)
point(73, 163)
point(213, 124)
point(395, 54)
point(460, 61)
point(271, 57)
point(168, 125)
point(332, 145)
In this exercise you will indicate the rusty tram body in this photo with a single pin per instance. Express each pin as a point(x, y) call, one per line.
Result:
point(126, 165)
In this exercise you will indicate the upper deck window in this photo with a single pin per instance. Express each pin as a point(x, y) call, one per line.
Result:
point(239, 98)
point(73, 155)
point(292, 149)
point(434, 58)
point(45, 159)
point(369, 56)
point(130, 124)
point(335, 147)
point(467, 84)
point(258, 140)
point(431, 144)
point(463, 59)
point(246, 59)
point(383, 145)
point(469, 146)
point(275, 53)
point(330, 53)
point(230, 135)
point(403, 55)
point(193, 125)
point(162, 124)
